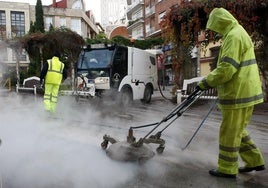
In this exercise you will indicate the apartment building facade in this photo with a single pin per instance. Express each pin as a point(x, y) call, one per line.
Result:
point(144, 17)
point(14, 22)
point(71, 14)
point(135, 16)
point(15, 19)
point(155, 11)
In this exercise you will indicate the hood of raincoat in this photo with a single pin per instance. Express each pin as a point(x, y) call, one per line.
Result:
point(221, 21)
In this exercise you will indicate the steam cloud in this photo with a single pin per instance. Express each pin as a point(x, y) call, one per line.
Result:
point(43, 151)
point(40, 150)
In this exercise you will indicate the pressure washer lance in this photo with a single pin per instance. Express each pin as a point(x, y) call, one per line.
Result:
point(178, 111)
point(200, 125)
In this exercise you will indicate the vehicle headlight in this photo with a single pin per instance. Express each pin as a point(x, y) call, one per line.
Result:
point(101, 80)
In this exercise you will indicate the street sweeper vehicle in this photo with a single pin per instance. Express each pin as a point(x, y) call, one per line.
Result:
point(128, 72)
point(139, 150)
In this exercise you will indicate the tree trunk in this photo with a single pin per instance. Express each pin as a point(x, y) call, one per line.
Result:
point(17, 66)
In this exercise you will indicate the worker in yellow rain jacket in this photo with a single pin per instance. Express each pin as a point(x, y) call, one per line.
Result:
point(53, 72)
point(239, 88)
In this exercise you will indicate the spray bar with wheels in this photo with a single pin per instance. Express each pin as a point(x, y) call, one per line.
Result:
point(156, 138)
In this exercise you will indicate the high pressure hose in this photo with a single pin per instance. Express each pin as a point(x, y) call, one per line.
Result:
point(161, 92)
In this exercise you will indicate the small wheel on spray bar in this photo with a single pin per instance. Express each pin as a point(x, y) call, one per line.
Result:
point(160, 149)
point(104, 144)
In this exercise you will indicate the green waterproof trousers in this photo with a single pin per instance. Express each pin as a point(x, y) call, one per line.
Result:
point(234, 140)
point(51, 97)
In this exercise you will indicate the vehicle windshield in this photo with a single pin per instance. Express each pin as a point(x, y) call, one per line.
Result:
point(94, 59)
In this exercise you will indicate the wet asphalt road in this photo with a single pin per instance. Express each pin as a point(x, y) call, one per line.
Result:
point(39, 150)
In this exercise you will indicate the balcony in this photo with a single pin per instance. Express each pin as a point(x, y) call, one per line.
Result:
point(153, 32)
point(136, 23)
point(134, 7)
point(149, 12)
point(150, 30)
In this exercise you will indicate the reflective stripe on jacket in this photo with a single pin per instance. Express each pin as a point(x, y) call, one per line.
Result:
point(54, 72)
point(236, 76)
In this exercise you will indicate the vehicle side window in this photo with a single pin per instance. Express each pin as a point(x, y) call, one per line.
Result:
point(120, 62)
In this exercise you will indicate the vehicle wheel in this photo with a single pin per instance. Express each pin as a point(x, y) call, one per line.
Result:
point(147, 95)
point(126, 97)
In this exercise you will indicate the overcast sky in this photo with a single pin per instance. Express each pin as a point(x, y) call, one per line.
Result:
point(93, 5)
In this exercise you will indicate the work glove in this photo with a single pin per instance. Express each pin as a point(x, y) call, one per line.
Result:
point(200, 86)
